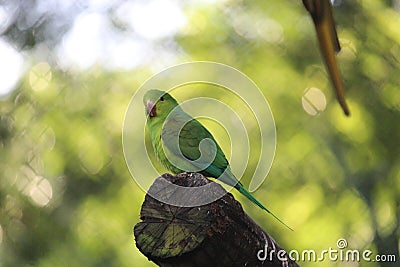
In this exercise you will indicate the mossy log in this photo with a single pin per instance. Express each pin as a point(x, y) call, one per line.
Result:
point(216, 234)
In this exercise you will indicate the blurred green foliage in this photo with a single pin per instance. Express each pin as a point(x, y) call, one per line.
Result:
point(67, 198)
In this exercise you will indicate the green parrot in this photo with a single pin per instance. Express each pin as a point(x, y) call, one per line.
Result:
point(321, 13)
point(181, 143)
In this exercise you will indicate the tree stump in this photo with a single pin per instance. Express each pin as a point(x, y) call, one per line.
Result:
point(215, 234)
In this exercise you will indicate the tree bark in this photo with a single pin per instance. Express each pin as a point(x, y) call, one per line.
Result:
point(215, 234)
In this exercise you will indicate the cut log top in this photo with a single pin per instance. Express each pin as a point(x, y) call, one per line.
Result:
point(216, 234)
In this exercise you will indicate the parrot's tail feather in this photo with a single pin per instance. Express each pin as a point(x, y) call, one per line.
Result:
point(244, 191)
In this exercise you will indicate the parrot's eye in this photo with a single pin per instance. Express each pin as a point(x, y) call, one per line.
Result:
point(162, 98)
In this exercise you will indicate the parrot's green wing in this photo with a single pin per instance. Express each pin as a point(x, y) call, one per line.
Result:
point(188, 152)
point(190, 136)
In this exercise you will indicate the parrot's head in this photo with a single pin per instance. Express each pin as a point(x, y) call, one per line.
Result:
point(158, 104)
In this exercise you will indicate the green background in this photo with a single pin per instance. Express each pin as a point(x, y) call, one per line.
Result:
point(333, 177)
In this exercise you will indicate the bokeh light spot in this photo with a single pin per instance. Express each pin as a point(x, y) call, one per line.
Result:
point(348, 49)
point(40, 191)
point(11, 64)
point(313, 101)
point(91, 153)
point(270, 30)
point(152, 19)
point(359, 129)
point(375, 67)
point(40, 76)
point(390, 96)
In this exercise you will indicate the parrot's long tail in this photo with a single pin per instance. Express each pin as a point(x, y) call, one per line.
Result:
point(246, 193)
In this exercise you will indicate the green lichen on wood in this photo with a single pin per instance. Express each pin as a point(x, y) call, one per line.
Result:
point(166, 230)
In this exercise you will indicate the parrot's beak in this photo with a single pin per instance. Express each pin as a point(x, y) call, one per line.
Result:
point(151, 108)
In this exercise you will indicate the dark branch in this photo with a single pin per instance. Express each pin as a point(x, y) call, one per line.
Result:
point(216, 234)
